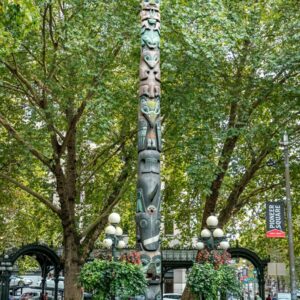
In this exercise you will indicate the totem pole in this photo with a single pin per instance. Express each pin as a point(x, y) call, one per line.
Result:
point(149, 148)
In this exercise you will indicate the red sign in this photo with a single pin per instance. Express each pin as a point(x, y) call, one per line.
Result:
point(275, 233)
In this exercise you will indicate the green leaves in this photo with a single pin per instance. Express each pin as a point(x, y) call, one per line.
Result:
point(217, 57)
point(17, 20)
point(109, 278)
point(204, 279)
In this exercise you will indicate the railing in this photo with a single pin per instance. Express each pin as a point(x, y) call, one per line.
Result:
point(179, 255)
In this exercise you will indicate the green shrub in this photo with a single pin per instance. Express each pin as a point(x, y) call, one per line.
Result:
point(110, 278)
point(204, 279)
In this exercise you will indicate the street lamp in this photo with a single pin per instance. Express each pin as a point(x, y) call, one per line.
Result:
point(6, 268)
point(285, 144)
point(114, 235)
point(212, 237)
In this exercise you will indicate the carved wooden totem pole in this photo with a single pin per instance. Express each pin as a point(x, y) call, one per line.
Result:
point(149, 148)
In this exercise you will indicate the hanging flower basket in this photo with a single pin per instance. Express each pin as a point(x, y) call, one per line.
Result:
point(108, 279)
point(211, 275)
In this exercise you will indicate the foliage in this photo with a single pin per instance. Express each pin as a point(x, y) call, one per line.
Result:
point(206, 280)
point(111, 278)
point(230, 88)
point(27, 264)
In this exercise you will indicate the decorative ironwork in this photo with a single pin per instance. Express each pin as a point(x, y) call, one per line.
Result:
point(258, 263)
point(45, 256)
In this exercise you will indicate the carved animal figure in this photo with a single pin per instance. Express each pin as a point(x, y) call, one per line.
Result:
point(151, 13)
point(148, 230)
point(150, 108)
point(151, 264)
point(149, 138)
point(149, 179)
point(151, 3)
point(151, 33)
point(149, 67)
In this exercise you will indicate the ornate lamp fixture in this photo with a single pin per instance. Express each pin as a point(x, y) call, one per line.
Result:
point(114, 234)
point(212, 237)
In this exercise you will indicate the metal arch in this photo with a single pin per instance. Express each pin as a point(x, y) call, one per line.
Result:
point(45, 256)
point(249, 255)
point(257, 262)
point(184, 259)
point(50, 256)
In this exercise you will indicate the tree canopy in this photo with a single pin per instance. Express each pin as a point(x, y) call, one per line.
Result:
point(68, 115)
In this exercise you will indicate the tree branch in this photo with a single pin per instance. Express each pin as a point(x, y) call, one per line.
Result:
point(51, 20)
point(12, 87)
point(32, 55)
point(254, 193)
point(90, 235)
point(72, 125)
point(45, 160)
point(32, 193)
point(44, 40)
point(89, 96)
point(14, 71)
point(240, 186)
point(94, 161)
point(223, 164)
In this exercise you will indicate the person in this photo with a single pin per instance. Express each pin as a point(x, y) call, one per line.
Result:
point(269, 297)
point(257, 297)
point(46, 296)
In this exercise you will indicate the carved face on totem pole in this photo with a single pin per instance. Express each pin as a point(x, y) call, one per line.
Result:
point(151, 33)
point(148, 204)
point(150, 12)
point(151, 264)
point(151, 3)
point(149, 137)
point(149, 67)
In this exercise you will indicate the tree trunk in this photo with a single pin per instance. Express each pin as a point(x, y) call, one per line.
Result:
point(188, 295)
point(72, 267)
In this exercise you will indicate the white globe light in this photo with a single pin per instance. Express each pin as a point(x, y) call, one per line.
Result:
point(119, 231)
point(121, 245)
point(218, 233)
point(200, 245)
point(224, 245)
point(212, 221)
point(205, 233)
point(107, 243)
point(110, 230)
point(114, 218)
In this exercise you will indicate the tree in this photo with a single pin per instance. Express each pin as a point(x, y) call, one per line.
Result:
point(66, 84)
point(68, 74)
point(231, 73)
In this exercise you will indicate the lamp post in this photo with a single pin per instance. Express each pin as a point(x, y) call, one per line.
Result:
point(212, 237)
point(5, 269)
point(285, 144)
point(114, 235)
